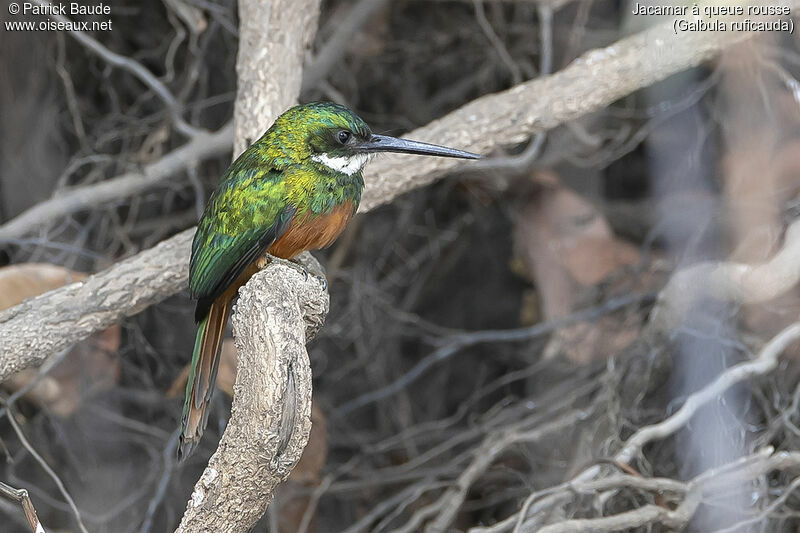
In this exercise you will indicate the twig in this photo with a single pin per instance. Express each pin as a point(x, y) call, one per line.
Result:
point(202, 146)
point(21, 497)
point(313, 501)
point(525, 159)
point(129, 65)
point(335, 47)
point(495, 445)
point(764, 363)
point(738, 472)
point(168, 456)
point(461, 341)
point(496, 42)
point(643, 516)
point(46, 467)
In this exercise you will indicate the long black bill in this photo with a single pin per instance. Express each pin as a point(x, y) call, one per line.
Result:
point(384, 143)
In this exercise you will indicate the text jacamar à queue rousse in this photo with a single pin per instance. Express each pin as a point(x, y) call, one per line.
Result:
point(711, 10)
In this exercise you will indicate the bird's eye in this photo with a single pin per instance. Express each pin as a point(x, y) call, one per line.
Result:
point(343, 136)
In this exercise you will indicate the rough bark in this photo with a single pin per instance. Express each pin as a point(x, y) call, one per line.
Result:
point(273, 38)
point(278, 310)
point(43, 326)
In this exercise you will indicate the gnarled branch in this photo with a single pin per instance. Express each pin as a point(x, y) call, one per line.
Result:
point(278, 310)
point(729, 282)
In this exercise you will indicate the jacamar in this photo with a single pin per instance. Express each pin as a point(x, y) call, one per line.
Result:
point(292, 190)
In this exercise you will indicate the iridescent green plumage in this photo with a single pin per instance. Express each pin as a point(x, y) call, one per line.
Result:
point(272, 181)
point(275, 180)
point(294, 189)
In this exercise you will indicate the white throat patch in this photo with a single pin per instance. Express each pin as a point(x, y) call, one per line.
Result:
point(345, 164)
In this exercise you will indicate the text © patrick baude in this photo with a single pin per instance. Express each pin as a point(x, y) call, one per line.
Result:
point(73, 8)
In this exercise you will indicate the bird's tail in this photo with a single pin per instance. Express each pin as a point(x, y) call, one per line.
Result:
point(202, 374)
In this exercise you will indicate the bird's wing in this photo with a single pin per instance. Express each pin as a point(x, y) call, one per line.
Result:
point(244, 216)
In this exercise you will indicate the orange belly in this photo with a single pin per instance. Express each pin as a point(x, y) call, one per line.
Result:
point(310, 232)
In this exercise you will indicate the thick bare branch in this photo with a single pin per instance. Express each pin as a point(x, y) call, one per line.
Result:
point(729, 282)
point(40, 327)
point(273, 38)
point(277, 311)
point(591, 82)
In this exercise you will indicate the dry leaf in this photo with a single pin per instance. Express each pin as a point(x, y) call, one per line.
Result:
point(567, 246)
point(26, 280)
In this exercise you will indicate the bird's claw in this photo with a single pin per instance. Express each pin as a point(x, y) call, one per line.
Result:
point(294, 264)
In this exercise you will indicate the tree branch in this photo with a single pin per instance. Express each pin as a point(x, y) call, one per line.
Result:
point(278, 311)
point(591, 82)
point(202, 146)
point(40, 327)
point(729, 282)
point(273, 38)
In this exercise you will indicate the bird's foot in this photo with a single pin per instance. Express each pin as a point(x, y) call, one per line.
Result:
point(293, 264)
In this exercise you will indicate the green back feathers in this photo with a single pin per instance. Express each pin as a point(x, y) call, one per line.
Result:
point(272, 181)
point(243, 217)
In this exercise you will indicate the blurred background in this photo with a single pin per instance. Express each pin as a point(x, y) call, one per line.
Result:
point(502, 300)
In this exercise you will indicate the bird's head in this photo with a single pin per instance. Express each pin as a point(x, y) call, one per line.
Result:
point(335, 137)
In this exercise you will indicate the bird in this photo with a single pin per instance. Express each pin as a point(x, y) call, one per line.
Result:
point(294, 189)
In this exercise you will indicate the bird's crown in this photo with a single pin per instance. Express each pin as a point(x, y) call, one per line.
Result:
point(314, 130)
point(332, 137)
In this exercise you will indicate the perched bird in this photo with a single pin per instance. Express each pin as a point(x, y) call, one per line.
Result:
point(292, 190)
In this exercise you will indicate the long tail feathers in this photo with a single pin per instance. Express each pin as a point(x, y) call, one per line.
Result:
point(202, 375)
